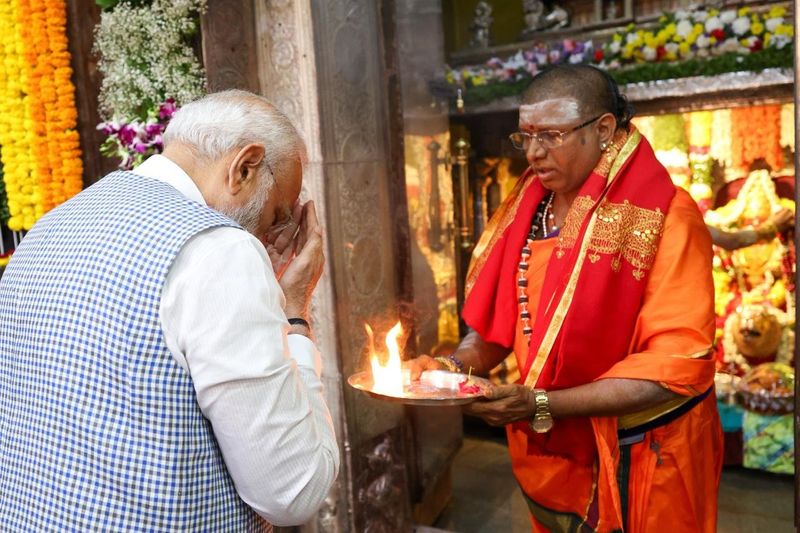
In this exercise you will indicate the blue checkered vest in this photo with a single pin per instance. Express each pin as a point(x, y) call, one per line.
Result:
point(99, 426)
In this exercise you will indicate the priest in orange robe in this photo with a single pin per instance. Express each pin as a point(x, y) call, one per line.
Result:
point(596, 273)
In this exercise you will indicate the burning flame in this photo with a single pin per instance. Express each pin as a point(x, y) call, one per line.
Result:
point(387, 379)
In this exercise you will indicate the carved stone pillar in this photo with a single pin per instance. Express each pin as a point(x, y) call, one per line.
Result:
point(229, 55)
point(323, 64)
point(437, 431)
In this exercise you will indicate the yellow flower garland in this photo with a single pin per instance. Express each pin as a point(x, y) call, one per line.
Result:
point(13, 141)
point(40, 145)
point(700, 129)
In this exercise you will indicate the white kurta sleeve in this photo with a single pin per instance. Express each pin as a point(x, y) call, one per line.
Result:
point(222, 315)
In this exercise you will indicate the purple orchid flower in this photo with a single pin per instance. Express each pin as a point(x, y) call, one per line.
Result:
point(108, 128)
point(126, 134)
point(152, 129)
point(167, 109)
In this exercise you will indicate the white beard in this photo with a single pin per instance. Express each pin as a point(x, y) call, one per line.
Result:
point(248, 216)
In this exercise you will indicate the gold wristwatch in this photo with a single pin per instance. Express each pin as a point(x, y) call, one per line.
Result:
point(542, 421)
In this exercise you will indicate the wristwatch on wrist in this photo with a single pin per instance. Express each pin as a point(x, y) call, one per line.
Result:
point(542, 420)
point(445, 363)
point(300, 326)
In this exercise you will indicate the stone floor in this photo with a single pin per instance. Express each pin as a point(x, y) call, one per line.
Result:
point(486, 498)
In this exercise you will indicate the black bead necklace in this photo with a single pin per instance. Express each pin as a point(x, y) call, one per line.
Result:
point(541, 217)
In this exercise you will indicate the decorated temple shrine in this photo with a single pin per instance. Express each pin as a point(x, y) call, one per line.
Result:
point(727, 138)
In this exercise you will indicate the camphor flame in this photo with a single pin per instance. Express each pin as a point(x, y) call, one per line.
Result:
point(387, 379)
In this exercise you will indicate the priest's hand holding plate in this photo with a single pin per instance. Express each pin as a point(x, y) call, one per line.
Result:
point(504, 404)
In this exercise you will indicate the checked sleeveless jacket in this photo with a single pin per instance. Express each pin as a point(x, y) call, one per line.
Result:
point(99, 426)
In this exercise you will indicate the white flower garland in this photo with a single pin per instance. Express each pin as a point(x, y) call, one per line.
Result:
point(720, 148)
point(146, 57)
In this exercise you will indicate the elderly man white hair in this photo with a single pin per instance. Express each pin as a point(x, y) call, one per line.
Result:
point(182, 385)
point(221, 122)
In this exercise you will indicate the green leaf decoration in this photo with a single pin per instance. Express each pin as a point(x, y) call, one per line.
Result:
point(4, 213)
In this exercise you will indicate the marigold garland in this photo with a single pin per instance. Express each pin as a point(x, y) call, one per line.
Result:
point(15, 153)
point(40, 145)
point(755, 134)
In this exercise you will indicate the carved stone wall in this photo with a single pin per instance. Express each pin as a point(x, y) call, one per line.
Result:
point(321, 62)
point(287, 76)
point(228, 45)
point(354, 128)
point(421, 45)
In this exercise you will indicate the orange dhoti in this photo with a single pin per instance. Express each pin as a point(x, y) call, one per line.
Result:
point(610, 306)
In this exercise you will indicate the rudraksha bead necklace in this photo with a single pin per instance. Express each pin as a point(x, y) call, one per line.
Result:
point(541, 217)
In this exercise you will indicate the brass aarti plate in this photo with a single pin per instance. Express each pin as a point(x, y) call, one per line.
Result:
point(435, 388)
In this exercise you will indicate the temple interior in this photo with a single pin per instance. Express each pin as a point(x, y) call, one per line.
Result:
point(406, 107)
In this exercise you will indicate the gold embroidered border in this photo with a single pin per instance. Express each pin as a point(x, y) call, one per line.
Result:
point(572, 225)
point(629, 232)
point(553, 328)
point(609, 166)
point(631, 142)
point(610, 155)
point(624, 231)
point(560, 313)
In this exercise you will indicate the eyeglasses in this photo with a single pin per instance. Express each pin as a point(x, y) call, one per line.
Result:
point(547, 138)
